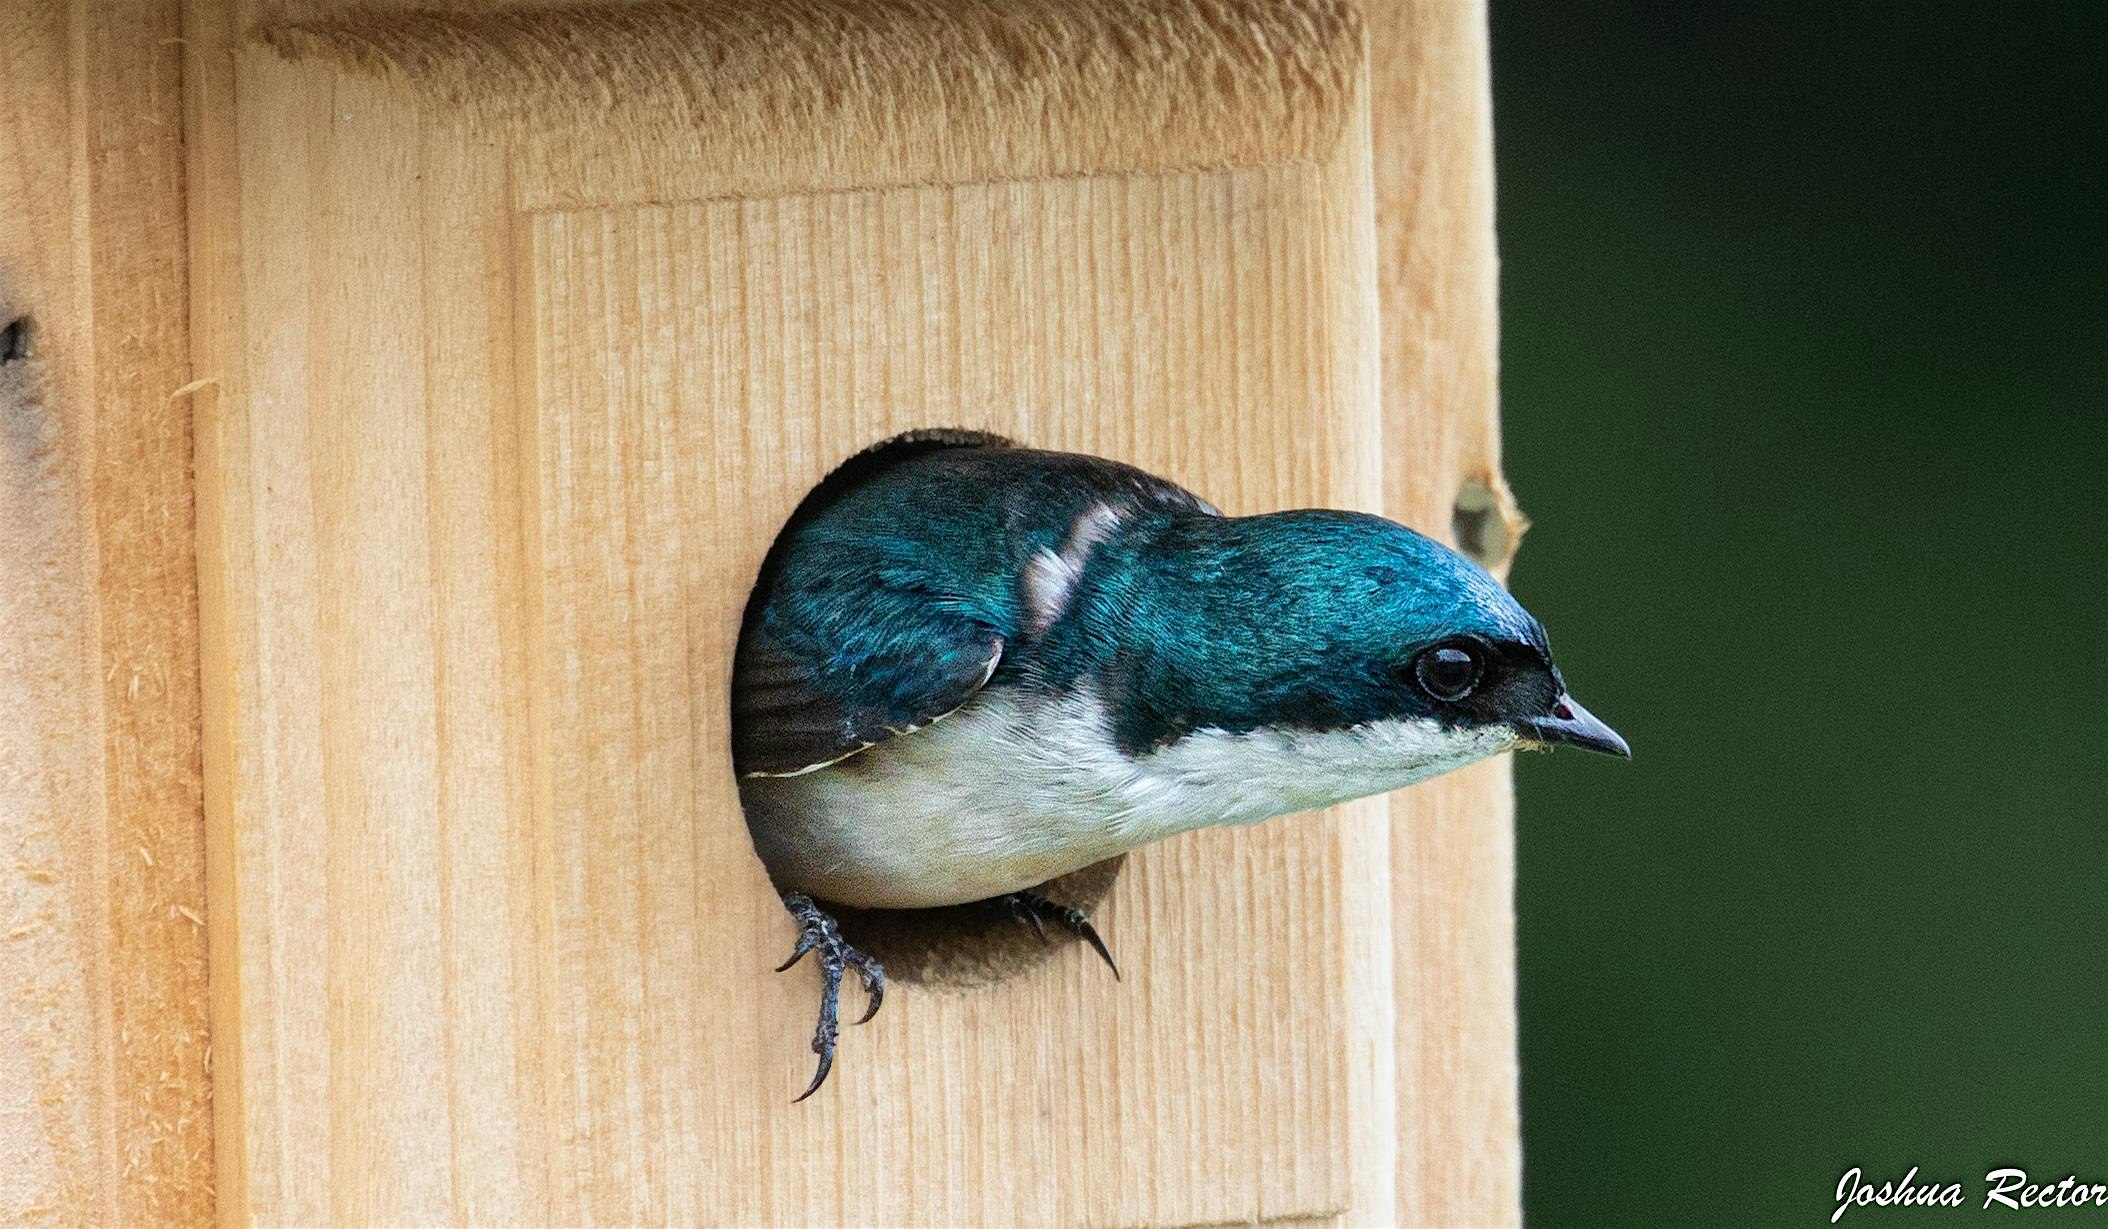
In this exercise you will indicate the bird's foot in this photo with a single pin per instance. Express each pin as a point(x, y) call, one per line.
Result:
point(1036, 911)
point(818, 933)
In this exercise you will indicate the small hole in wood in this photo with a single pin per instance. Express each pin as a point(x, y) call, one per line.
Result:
point(1478, 526)
point(967, 945)
point(963, 946)
point(15, 340)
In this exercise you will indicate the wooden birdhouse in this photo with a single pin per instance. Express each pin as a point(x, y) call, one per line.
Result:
point(395, 407)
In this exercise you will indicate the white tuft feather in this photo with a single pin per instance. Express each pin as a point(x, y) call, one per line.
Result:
point(1051, 576)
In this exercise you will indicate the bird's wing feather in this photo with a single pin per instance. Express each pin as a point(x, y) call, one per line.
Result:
point(886, 602)
point(804, 700)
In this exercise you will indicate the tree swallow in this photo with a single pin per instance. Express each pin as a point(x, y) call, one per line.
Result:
point(969, 668)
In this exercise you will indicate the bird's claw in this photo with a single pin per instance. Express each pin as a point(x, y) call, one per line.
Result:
point(1024, 907)
point(1037, 910)
point(798, 952)
point(818, 933)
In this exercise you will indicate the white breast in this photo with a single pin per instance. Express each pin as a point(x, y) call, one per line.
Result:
point(1013, 790)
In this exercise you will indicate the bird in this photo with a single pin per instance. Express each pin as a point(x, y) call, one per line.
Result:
point(969, 667)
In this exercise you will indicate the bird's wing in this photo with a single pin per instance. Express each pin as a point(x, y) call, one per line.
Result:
point(859, 629)
point(804, 699)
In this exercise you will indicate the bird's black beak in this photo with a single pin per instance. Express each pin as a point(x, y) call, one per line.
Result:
point(1570, 723)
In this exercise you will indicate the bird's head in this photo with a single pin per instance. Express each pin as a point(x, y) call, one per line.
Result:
point(1441, 640)
point(1366, 653)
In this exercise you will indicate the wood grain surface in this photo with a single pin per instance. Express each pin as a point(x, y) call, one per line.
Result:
point(518, 332)
point(104, 1091)
point(1453, 838)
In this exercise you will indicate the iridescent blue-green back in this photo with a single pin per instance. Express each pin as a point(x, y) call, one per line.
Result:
point(898, 590)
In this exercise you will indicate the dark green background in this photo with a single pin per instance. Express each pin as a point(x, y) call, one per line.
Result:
point(1804, 386)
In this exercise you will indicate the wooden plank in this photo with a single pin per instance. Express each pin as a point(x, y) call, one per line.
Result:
point(1452, 843)
point(639, 553)
point(103, 1047)
point(683, 373)
point(106, 962)
point(528, 328)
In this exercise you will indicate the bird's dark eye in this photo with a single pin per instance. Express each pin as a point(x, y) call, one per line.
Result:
point(1447, 672)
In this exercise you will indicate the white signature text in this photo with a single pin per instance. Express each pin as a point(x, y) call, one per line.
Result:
point(2006, 1188)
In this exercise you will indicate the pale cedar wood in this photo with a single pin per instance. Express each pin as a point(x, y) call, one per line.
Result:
point(521, 342)
point(105, 1110)
point(1452, 838)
